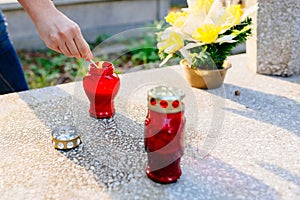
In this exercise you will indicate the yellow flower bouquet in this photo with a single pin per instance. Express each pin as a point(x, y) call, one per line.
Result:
point(205, 32)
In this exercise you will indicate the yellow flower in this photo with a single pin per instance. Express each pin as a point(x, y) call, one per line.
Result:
point(176, 19)
point(207, 33)
point(170, 42)
point(236, 13)
point(171, 18)
point(181, 19)
point(200, 4)
point(229, 18)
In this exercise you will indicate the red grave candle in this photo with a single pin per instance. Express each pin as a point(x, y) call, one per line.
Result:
point(101, 85)
point(164, 134)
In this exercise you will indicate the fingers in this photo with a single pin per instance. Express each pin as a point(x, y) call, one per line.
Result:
point(71, 46)
point(83, 47)
point(52, 43)
point(64, 49)
point(71, 43)
point(57, 43)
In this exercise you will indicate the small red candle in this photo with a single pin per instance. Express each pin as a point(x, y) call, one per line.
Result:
point(164, 134)
point(101, 85)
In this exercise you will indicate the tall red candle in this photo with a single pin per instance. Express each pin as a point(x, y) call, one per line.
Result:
point(101, 85)
point(164, 134)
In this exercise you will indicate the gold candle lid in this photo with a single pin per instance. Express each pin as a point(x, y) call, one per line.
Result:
point(165, 99)
point(65, 137)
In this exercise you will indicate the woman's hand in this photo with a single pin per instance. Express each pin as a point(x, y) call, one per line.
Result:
point(63, 35)
point(57, 31)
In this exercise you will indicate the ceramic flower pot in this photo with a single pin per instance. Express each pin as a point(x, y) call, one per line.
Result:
point(203, 78)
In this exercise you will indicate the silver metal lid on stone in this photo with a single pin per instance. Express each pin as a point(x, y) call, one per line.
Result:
point(65, 137)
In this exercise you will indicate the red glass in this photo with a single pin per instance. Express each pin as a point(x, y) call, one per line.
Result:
point(152, 101)
point(101, 85)
point(164, 144)
point(175, 104)
point(163, 103)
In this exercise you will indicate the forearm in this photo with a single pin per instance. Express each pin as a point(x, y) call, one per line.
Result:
point(37, 8)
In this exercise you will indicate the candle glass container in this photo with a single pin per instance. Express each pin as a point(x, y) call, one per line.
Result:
point(164, 134)
point(101, 85)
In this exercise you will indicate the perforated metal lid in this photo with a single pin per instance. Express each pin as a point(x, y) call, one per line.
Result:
point(65, 137)
point(165, 99)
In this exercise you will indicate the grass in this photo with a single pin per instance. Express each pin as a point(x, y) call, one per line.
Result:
point(47, 68)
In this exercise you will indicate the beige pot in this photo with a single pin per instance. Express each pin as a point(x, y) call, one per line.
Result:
point(205, 79)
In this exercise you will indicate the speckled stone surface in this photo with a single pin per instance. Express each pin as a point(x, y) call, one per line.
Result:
point(237, 147)
point(276, 40)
